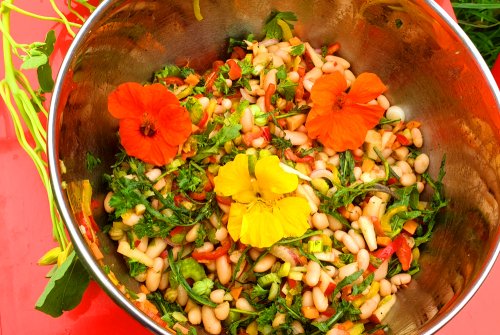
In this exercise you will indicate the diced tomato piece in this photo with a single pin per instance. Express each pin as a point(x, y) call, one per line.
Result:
point(331, 287)
point(234, 70)
point(292, 283)
point(198, 196)
point(333, 48)
point(213, 255)
point(173, 81)
point(223, 200)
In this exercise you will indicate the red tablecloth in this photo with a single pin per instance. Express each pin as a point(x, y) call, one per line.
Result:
point(26, 234)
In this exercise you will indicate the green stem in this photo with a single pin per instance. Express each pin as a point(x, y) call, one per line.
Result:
point(64, 20)
point(8, 4)
point(24, 82)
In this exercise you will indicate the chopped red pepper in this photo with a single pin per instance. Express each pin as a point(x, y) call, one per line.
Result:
point(238, 52)
point(402, 139)
point(292, 283)
point(173, 81)
point(223, 200)
point(333, 48)
point(386, 253)
point(330, 311)
point(267, 97)
point(213, 255)
point(176, 230)
point(234, 70)
point(198, 196)
point(289, 154)
point(378, 227)
point(299, 91)
point(404, 253)
point(330, 288)
point(203, 120)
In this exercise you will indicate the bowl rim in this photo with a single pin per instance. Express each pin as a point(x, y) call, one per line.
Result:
point(101, 277)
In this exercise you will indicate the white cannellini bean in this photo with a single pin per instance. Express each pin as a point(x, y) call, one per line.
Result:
point(192, 234)
point(247, 120)
point(320, 221)
point(421, 163)
point(405, 167)
point(130, 218)
point(211, 324)
point(312, 274)
point(265, 263)
point(163, 281)
point(153, 274)
point(348, 270)
point(194, 315)
point(153, 174)
point(296, 137)
point(293, 76)
point(360, 241)
point(182, 296)
point(270, 78)
point(337, 331)
point(226, 103)
point(401, 279)
point(330, 67)
point(363, 259)
point(331, 270)
point(417, 137)
point(221, 234)
point(401, 153)
point(334, 223)
point(206, 247)
point(408, 179)
point(307, 299)
point(244, 305)
point(368, 307)
point(310, 77)
point(222, 311)
point(217, 295)
point(385, 287)
point(107, 206)
point(395, 113)
point(143, 244)
point(223, 269)
point(319, 299)
point(350, 244)
point(368, 230)
point(383, 102)
point(381, 272)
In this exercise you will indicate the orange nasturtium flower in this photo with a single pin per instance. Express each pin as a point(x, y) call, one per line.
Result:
point(152, 122)
point(341, 120)
point(263, 211)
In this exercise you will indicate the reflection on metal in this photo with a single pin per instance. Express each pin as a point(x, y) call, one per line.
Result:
point(432, 71)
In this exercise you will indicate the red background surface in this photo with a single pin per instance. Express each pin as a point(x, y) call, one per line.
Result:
point(26, 235)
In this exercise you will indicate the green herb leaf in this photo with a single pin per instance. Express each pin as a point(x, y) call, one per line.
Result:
point(298, 50)
point(272, 28)
point(45, 80)
point(65, 288)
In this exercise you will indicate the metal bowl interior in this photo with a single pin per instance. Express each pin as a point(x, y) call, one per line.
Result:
point(432, 71)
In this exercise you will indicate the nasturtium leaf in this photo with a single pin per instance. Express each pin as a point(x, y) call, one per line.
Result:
point(65, 288)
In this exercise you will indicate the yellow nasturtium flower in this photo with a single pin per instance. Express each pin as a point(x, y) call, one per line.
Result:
point(263, 212)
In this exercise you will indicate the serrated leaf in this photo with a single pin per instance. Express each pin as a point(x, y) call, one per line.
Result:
point(65, 288)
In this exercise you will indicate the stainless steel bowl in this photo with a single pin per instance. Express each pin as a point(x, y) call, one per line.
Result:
point(432, 69)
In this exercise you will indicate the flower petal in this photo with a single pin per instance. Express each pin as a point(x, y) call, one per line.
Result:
point(366, 87)
point(294, 214)
point(272, 179)
point(151, 150)
point(127, 101)
point(236, 213)
point(327, 88)
point(344, 129)
point(174, 124)
point(260, 227)
point(234, 180)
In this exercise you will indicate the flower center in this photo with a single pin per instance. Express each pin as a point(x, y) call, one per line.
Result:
point(340, 101)
point(148, 128)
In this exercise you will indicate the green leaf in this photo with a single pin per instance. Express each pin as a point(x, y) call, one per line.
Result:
point(34, 60)
point(272, 28)
point(298, 50)
point(50, 40)
point(65, 288)
point(44, 73)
